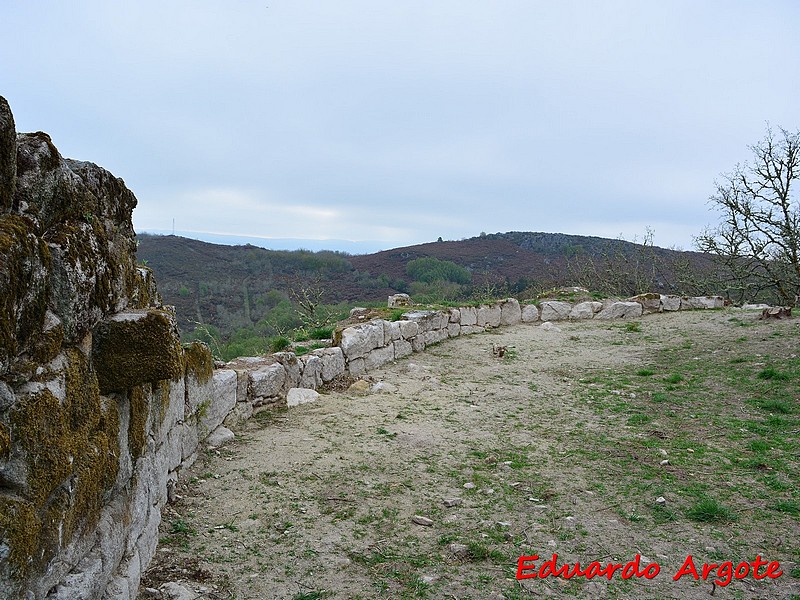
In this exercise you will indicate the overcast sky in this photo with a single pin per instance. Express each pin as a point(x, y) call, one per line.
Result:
point(402, 121)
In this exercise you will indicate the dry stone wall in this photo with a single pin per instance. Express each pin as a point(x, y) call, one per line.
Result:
point(100, 405)
point(365, 346)
point(101, 408)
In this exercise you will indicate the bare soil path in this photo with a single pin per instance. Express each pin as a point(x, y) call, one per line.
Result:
point(556, 448)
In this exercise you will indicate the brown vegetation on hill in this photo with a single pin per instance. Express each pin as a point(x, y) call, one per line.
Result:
point(243, 295)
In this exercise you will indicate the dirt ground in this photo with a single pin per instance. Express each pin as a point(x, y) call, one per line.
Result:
point(593, 442)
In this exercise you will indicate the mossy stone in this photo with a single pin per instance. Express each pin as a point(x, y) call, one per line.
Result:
point(137, 430)
point(199, 362)
point(72, 455)
point(5, 441)
point(8, 156)
point(24, 285)
point(135, 348)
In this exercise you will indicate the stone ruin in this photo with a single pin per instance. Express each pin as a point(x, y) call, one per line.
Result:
point(101, 407)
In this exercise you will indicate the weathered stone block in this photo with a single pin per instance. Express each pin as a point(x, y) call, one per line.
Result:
point(136, 347)
point(435, 336)
point(651, 303)
point(311, 377)
point(360, 339)
point(356, 367)
point(585, 310)
point(220, 436)
point(298, 396)
point(267, 381)
point(621, 310)
point(702, 302)
point(427, 320)
point(408, 329)
point(240, 414)
point(555, 310)
point(399, 301)
point(378, 357)
point(223, 399)
point(530, 313)
point(670, 303)
point(470, 329)
point(292, 367)
point(489, 316)
point(391, 331)
point(24, 286)
point(469, 315)
point(333, 363)
point(453, 330)
point(510, 312)
point(402, 348)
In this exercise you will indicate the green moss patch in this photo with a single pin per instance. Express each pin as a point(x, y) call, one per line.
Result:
point(137, 430)
point(199, 362)
point(24, 269)
point(136, 348)
point(72, 455)
point(5, 441)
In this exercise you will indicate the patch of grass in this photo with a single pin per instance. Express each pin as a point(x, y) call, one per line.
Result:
point(632, 327)
point(321, 333)
point(279, 344)
point(709, 510)
point(645, 372)
point(397, 314)
point(478, 552)
point(181, 527)
point(787, 506)
point(662, 514)
point(386, 432)
point(770, 373)
point(312, 595)
point(774, 406)
point(639, 419)
point(674, 378)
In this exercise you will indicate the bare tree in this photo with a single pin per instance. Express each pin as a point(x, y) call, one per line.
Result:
point(758, 238)
point(307, 297)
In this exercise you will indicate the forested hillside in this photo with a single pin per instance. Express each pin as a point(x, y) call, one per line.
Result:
point(241, 296)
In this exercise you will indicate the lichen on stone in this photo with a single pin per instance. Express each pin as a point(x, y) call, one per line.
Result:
point(24, 285)
point(72, 456)
point(5, 441)
point(137, 430)
point(135, 348)
point(199, 361)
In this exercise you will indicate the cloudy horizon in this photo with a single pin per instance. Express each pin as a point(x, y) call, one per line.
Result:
point(399, 123)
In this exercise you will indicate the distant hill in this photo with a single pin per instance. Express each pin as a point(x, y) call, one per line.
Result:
point(232, 288)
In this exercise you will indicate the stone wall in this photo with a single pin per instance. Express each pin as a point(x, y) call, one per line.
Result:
point(100, 405)
point(359, 348)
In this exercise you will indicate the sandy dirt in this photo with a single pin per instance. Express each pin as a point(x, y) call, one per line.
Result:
point(319, 501)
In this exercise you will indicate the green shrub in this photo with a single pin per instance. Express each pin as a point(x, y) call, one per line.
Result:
point(430, 269)
point(279, 344)
point(321, 333)
point(772, 373)
point(708, 510)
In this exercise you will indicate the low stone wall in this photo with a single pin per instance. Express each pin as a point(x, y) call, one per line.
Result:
point(101, 408)
point(366, 346)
